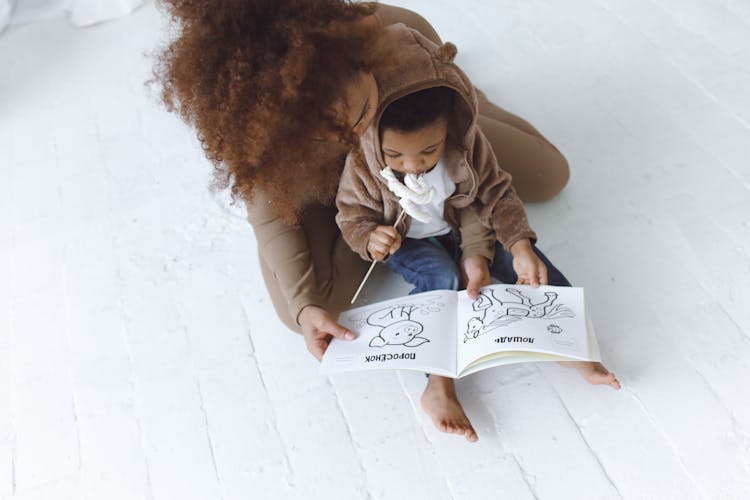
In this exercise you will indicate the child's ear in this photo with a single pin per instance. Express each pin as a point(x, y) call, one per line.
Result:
point(447, 52)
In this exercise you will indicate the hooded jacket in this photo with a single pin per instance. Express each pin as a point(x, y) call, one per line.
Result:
point(484, 206)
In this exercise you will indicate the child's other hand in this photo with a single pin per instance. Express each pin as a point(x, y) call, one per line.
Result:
point(384, 240)
point(476, 274)
point(527, 265)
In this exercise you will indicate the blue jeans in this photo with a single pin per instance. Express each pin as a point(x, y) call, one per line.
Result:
point(429, 265)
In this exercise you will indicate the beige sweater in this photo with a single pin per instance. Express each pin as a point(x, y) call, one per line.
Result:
point(484, 206)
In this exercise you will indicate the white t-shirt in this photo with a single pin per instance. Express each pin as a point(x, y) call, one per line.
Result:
point(444, 187)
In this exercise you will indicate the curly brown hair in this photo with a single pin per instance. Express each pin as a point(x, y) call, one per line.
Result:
point(258, 80)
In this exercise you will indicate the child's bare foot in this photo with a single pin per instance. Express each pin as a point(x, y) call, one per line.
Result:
point(594, 373)
point(441, 404)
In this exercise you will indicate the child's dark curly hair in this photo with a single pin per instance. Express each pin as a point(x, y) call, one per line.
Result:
point(258, 79)
point(417, 110)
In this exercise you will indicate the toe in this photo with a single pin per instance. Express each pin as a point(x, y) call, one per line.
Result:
point(600, 377)
point(470, 433)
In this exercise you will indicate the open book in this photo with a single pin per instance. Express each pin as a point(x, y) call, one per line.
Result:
point(446, 333)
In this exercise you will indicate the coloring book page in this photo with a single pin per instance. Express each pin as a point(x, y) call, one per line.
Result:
point(416, 332)
point(447, 333)
point(513, 318)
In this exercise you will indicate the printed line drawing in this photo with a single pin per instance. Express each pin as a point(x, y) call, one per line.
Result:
point(399, 324)
point(397, 327)
point(497, 313)
point(553, 328)
point(569, 343)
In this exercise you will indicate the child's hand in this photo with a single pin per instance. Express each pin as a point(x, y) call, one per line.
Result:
point(384, 240)
point(527, 265)
point(476, 274)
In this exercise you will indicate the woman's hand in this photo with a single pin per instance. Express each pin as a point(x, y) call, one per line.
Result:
point(318, 328)
point(384, 240)
point(476, 274)
point(527, 265)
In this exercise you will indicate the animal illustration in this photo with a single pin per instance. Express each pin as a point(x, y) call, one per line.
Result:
point(397, 327)
point(497, 312)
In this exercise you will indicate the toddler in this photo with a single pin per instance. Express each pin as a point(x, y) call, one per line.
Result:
point(424, 153)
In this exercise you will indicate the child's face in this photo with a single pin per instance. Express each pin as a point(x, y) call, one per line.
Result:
point(414, 152)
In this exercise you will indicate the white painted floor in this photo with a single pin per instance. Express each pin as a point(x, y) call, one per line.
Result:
point(140, 357)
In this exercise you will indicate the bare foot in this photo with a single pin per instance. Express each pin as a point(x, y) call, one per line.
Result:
point(594, 373)
point(440, 402)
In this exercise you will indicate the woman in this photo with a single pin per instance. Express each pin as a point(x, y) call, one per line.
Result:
point(278, 91)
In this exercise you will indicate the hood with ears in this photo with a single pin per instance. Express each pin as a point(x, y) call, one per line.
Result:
point(408, 62)
point(484, 206)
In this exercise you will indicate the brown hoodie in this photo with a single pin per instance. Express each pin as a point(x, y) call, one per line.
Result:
point(483, 207)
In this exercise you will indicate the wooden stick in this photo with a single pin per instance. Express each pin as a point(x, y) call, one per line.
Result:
point(372, 266)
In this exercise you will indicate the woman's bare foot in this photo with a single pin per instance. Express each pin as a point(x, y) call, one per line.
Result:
point(594, 373)
point(440, 402)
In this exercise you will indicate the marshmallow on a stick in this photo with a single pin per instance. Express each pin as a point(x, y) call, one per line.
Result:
point(412, 193)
